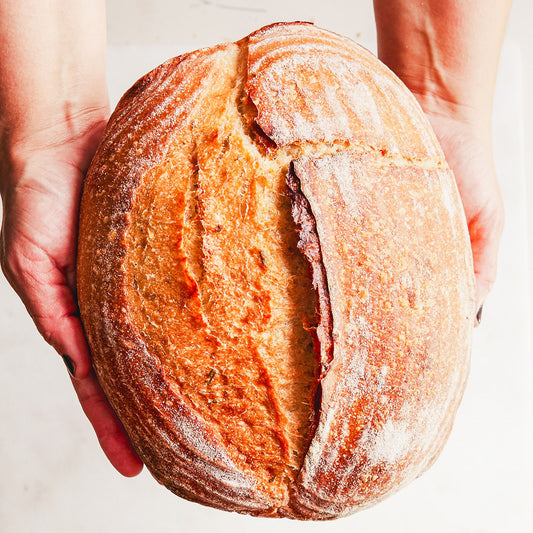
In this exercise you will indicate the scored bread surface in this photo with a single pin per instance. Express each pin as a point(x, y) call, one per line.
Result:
point(275, 276)
point(228, 308)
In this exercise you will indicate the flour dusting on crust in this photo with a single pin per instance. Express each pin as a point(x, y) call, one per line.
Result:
point(380, 223)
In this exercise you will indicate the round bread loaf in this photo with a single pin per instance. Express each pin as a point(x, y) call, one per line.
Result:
point(275, 276)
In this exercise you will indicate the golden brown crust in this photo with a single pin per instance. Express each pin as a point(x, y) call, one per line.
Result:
point(173, 442)
point(224, 291)
point(400, 340)
point(311, 85)
point(206, 334)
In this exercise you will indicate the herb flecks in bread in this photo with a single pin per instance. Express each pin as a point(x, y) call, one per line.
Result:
point(275, 276)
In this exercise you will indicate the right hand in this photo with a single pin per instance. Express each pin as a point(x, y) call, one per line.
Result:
point(41, 181)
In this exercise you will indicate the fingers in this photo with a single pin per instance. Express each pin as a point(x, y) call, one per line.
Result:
point(50, 302)
point(43, 289)
point(38, 257)
point(110, 433)
point(485, 234)
point(470, 157)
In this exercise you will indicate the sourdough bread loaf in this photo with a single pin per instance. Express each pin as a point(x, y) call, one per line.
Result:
point(275, 276)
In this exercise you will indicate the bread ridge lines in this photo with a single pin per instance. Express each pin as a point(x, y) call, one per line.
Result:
point(408, 183)
point(283, 156)
point(192, 240)
point(195, 203)
point(212, 467)
point(375, 156)
point(379, 158)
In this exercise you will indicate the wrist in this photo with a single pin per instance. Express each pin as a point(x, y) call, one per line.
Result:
point(71, 139)
point(476, 120)
point(42, 126)
point(52, 72)
point(446, 52)
point(442, 91)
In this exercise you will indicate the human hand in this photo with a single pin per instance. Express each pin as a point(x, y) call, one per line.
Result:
point(41, 180)
point(467, 146)
point(447, 54)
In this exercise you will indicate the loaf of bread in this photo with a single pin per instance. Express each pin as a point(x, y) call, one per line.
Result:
point(275, 276)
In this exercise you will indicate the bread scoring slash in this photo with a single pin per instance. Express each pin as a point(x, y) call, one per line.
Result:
point(275, 276)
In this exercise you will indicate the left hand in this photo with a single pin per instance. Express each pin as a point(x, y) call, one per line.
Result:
point(468, 151)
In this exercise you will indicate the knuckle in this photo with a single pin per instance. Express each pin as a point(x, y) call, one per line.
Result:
point(49, 335)
point(18, 274)
point(12, 268)
point(52, 330)
point(6, 260)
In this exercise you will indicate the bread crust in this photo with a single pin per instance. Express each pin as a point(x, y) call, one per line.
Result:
point(325, 127)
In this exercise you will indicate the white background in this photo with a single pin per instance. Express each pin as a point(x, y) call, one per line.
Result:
point(53, 477)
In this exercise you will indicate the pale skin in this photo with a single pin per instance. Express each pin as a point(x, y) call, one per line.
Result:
point(447, 53)
point(54, 106)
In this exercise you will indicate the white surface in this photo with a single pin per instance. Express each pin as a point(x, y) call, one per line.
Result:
point(519, 28)
point(55, 479)
point(201, 22)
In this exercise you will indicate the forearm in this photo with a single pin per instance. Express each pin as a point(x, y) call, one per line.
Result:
point(52, 69)
point(445, 51)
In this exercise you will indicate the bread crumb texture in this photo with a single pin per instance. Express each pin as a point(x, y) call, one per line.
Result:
point(275, 276)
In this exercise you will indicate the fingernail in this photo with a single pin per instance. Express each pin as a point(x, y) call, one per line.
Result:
point(69, 364)
point(479, 314)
